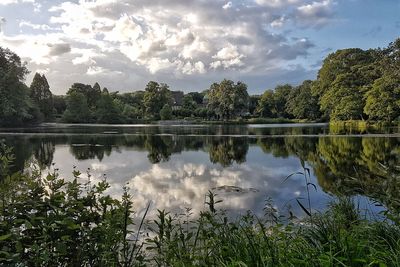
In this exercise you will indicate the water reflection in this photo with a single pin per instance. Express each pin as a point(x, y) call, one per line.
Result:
point(175, 166)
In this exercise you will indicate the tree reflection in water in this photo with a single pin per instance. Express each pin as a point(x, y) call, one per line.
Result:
point(342, 165)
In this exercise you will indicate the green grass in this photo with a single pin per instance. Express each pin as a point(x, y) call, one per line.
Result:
point(53, 222)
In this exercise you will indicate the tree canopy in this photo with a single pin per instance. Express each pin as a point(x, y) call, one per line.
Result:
point(16, 105)
point(228, 99)
point(42, 96)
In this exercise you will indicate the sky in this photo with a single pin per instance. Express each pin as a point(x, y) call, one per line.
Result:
point(189, 44)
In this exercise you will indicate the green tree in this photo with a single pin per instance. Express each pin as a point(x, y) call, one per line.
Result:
point(383, 100)
point(42, 96)
point(253, 104)
point(155, 97)
point(16, 106)
point(131, 113)
point(166, 112)
point(228, 99)
point(266, 104)
point(77, 108)
point(107, 110)
point(280, 98)
point(60, 104)
point(92, 94)
point(189, 103)
point(344, 100)
point(341, 62)
point(301, 104)
point(197, 97)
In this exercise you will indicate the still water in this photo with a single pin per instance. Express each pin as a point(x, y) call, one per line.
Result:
point(174, 166)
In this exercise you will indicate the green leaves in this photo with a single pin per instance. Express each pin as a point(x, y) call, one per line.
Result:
point(228, 99)
point(4, 237)
point(52, 222)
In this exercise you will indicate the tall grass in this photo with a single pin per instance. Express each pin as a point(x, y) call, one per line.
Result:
point(52, 222)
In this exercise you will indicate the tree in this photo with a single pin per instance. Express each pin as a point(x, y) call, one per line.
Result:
point(16, 107)
point(60, 104)
point(340, 62)
point(42, 96)
point(344, 100)
point(77, 108)
point(383, 100)
point(189, 103)
point(266, 104)
point(301, 104)
point(107, 110)
point(253, 104)
point(92, 94)
point(197, 97)
point(166, 112)
point(228, 99)
point(131, 113)
point(280, 97)
point(155, 97)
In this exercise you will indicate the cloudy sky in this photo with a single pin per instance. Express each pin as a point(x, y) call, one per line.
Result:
point(189, 43)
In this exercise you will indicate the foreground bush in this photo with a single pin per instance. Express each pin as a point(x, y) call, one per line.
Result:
point(52, 222)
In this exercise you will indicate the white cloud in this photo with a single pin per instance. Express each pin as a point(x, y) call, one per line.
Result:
point(227, 5)
point(25, 23)
point(227, 57)
point(315, 14)
point(277, 3)
point(174, 40)
point(8, 2)
point(277, 23)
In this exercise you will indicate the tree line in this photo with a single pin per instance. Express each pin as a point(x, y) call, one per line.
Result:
point(352, 84)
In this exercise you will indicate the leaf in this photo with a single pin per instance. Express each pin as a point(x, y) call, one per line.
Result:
point(315, 187)
point(303, 208)
point(290, 175)
point(4, 237)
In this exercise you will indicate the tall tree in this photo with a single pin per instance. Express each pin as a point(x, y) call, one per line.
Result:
point(166, 112)
point(383, 100)
point(266, 104)
point(42, 96)
point(344, 100)
point(228, 99)
point(77, 108)
point(280, 97)
point(253, 103)
point(16, 107)
point(92, 94)
point(155, 97)
point(302, 104)
point(107, 110)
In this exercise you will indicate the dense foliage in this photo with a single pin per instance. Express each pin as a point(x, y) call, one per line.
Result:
point(16, 107)
point(42, 96)
point(352, 84)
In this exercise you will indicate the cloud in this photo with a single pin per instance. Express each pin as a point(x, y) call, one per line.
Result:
point(59, 49)
point(192, 40)
point(44, 27)
point(277, 3)
point(8, 2)
point(227, 5)
point(315, 14)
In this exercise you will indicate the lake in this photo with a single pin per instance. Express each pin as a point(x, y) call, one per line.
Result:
point(174, 166)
